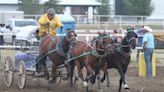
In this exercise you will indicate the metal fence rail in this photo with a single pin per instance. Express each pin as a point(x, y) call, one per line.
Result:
point(117, 19)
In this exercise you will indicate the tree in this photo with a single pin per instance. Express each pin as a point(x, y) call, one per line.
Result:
point(53, 4)
point(138, 7)
point(30, 6)
point(104, 9)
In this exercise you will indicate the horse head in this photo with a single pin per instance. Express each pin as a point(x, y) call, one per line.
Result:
point(131, 39)
point(104, 43)
point(71, 37)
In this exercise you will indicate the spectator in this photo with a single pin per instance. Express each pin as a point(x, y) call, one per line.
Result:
point(120, 36)
point(114, 35)
point(148, 48)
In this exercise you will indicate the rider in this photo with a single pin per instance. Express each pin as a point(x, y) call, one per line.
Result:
point(49, 24)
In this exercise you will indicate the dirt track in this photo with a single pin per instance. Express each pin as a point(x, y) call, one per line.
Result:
point(136, 84)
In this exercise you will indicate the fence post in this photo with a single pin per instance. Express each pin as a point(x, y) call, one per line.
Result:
point(120, 18)
point(142, 65)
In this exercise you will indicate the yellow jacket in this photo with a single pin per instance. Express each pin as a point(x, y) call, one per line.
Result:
point(54, 24)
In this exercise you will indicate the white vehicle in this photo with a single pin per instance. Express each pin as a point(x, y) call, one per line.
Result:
point(13, 26)
point(4, 15)
point(27, 36)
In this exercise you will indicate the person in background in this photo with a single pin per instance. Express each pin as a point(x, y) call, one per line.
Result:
point(120, 36)
point(140, 34)
point(114, 35)
point(148, 48)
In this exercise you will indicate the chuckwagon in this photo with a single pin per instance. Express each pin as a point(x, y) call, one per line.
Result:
point(25, 62)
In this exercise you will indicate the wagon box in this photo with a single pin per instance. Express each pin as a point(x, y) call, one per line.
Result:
point(30, 61)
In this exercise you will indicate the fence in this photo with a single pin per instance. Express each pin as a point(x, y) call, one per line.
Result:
point(117, 19)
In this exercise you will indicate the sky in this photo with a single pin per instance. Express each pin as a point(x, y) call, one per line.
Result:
point(159, 6)
point(158, 11)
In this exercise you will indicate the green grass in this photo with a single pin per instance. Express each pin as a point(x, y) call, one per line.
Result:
point(5, 53)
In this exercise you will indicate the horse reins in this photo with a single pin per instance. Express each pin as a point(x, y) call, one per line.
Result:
point(95, 49)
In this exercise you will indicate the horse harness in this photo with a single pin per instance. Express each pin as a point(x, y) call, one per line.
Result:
point(120, 47)
point(94, 49)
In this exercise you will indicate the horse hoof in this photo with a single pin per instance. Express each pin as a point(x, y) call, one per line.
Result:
point(125, 86)
point(102, 80)
point(108, 85)
point(92, 81)
point(51, 81)
point(65, 78)
point(85, 83)
point(47, 77)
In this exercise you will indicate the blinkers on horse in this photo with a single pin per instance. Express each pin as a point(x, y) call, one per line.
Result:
point(131, 39)
point(71, 37)
point(49, 45)
point(103, 45)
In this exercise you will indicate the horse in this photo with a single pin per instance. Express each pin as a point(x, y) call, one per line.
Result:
point(91, 53)
point(120, 59)
point(48, 48)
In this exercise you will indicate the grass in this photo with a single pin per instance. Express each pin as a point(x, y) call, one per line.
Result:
point(5, 53)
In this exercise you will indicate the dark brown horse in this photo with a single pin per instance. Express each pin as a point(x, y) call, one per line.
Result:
point(120, 58)
point(49, 44)
point(91, 55)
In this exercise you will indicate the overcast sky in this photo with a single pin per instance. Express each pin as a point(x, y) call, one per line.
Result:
point(158, 11)
point(159, 6)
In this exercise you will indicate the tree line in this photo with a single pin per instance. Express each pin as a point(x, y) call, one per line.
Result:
point(130, 7)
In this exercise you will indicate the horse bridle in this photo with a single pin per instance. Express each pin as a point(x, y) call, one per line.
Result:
point(129, 45)
point(128, 40)
point(72, 39)
point(109, 45)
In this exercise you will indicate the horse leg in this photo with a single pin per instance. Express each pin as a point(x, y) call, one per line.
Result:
point(125, 86)
point(53, 74)
point(71, 74)
point(122, 78)
point(85, 81)
point(108, 81)
point(77, 63)
point(38, 65)
point(92, 73)
point(68, 67)
point(46, 74)
point(103, 78)
point(105, 73)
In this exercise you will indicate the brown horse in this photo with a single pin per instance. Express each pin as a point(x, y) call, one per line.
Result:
point(49, 44)
point(120, 58)
point(91, 55)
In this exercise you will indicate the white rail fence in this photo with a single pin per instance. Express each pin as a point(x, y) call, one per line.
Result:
point(118, 19)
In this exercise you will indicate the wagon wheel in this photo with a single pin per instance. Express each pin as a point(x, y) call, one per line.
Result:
point(8, 72)
point(21, 74)
point(59, 78)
